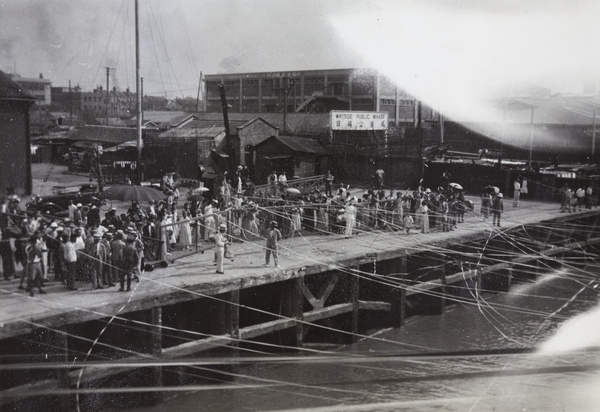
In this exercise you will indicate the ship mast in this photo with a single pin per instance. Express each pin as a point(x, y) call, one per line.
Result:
point(138, 101)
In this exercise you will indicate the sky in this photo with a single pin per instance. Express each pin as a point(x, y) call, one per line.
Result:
point(444, 52)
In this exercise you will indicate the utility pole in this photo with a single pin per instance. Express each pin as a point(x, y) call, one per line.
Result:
point(198, 97)
point(138, 100)
point(420, 131)
point(107, 93)
point(70, 105)
point(286, 88)
point(594, 134)
point(531, 137)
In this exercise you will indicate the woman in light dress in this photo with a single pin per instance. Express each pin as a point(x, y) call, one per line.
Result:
point(185, 231)
point(422, 217)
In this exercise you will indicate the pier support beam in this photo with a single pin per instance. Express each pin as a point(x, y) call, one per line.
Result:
point(59, 341)
point(297, 309)
point(234, 317)
point(398, 311)
point(354, 294)
point(443, 291)
point(155, 330)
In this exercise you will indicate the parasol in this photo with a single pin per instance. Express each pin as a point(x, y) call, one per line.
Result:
point(292, 191)
point(126, 193)
point(456, 186)
point(200, 190)
point(491, 189)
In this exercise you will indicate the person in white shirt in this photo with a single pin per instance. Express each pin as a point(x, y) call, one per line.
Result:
point(282, 179)
point(72, 208)
point(350, 216)
point(517, 193)
point(580, 197)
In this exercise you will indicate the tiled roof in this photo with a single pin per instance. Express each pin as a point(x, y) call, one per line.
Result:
point(303, 124)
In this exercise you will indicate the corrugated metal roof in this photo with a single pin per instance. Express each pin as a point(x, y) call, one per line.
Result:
point(191, 132)
point(9, 89)
point(303, 145)
point(103, 134)
point(161, 116)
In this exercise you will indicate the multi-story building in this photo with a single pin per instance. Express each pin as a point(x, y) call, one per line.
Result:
point(36, 87)
point(313, 91)
point(120, 104)
point(67, 99)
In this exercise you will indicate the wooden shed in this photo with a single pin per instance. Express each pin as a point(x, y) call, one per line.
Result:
point(296, 156)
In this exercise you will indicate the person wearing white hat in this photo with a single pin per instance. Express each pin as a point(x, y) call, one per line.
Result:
point(116, 247)
point(97, 256)
point(350, 216)
point(497, 209)
point(220, 243)
point(72, 208)
point(129, 263)
point(77, 214)
point(209, 221)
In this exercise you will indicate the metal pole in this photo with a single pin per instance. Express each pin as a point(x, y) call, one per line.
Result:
point(70, 106)
point(594, 134)
point(107, 93)
point(531, 137)
point(138, 102)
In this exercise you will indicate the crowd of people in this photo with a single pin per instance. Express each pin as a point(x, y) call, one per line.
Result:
point(79, 247)
point(571, 200)
point(113, 250)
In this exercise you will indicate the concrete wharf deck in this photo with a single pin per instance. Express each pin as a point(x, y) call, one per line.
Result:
point(194, 276)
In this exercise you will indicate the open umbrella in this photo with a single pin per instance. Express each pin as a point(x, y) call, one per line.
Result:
point(200, 190)
point(126, 193)
point(292, 191)
point(456, 186)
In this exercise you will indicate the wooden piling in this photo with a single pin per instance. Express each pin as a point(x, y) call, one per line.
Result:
point(354, 295)
point(155, 330)
point(59, 341)
point(297, 309)
point(443, 291)
point(398, 301)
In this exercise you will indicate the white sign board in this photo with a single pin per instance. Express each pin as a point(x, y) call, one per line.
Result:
point(347, 120)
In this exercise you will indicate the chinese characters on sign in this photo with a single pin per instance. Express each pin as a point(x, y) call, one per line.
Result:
point(345, 120)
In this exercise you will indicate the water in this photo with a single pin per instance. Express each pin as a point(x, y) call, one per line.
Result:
point(524, 350)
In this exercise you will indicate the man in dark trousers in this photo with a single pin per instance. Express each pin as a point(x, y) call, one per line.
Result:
point(129, 262)
point(33, 253)
point(117, 246)
point(497, 208)
point(273, 236)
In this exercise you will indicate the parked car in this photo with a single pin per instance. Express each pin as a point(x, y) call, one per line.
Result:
point(57, 203)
